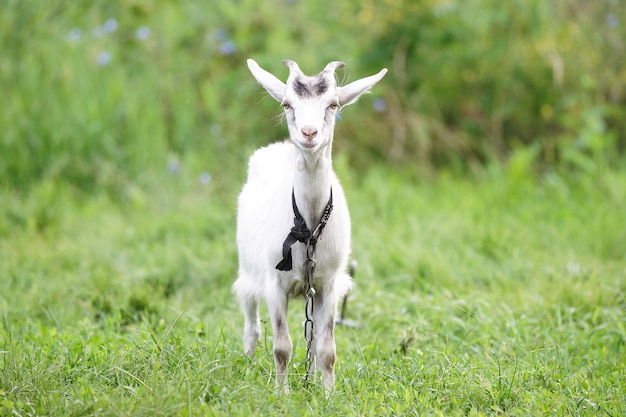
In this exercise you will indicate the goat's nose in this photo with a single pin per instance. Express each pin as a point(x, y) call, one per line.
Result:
point(309, 133)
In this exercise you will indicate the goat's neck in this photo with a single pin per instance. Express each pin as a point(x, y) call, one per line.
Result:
point(312, 182)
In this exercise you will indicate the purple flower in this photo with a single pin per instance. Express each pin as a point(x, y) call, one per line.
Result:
point(216, 129)
point(221, 34)
point(142, 33)
point(380, 105)
point(611, 20)
point(205, 178)
point(74, 35)
point(173, 167)
point(228, 47)
point(110, 26)
point(103, 58)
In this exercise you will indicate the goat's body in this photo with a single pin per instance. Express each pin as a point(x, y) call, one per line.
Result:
point(263, 223)
point(265, 215)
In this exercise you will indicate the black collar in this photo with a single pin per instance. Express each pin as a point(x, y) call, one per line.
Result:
point(301, 233)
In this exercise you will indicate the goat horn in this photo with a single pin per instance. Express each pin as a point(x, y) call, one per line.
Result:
point(332, 66)
point(293, 67)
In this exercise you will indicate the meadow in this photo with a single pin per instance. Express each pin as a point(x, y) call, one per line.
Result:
point(487, 207)
point(488, 297)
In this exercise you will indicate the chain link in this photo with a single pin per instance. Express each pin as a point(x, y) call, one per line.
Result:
point(309, 308)
point(309, 270)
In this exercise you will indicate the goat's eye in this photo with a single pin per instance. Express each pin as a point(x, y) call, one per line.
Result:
point(333, 106)
point(286, 106)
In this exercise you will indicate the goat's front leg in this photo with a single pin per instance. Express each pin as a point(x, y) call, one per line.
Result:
point(277, 302)
point(325, 354)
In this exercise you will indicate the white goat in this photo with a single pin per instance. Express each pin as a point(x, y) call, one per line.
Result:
point(298, 169)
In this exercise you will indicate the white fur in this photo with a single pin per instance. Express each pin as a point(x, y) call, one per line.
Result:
point(265, 216)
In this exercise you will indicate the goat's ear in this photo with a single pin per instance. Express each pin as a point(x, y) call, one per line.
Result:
point(274, 86)
point(350, 93)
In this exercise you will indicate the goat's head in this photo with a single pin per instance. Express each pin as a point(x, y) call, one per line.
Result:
point(311, 103)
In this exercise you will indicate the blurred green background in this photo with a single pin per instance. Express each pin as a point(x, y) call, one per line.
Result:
point(485, 176)
point(102, 94)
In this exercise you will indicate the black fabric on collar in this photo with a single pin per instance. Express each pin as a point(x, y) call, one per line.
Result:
point(301, 233)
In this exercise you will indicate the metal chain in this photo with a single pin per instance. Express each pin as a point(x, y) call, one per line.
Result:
point(309, 270)
point(309, 307)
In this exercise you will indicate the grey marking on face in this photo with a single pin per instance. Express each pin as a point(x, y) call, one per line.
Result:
point(308, 89)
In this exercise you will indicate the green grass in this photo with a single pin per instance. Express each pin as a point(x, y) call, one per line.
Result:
point(503, 294)
point(477, 297)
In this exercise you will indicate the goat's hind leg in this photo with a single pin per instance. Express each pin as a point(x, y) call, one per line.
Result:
point(250, 306)
point(252, 326)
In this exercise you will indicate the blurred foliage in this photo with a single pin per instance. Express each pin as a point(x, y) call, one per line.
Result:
point(103, 93)
point(479, 80)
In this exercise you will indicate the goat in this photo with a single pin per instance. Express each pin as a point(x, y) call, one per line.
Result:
point(296, 173)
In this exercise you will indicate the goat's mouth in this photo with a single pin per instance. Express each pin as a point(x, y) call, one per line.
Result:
point(307, 145)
